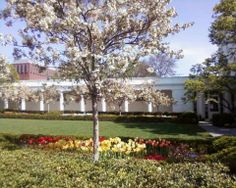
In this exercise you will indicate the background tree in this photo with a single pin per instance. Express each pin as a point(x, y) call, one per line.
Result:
point(162, 64)
point(15, 93)
point(92, 40)
point(6, 91)
point(49, 94)
point(217, 75)
point(117, 92)
point(213, 77)
point(143, 70)
point(223, 29)
point(4, 70)
point(8, 75)
point(149, 93)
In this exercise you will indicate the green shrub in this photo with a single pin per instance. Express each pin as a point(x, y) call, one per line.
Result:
point(185, 118)
point(8, 141)
point(224, 142)
point(226, 156)
point(37, 168)
point(223, 120)
point(224, 150)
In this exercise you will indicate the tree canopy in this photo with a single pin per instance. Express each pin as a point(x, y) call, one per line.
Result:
point(217, 74)
point(92, 40)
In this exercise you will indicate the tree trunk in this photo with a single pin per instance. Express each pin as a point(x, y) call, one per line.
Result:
point(233, 102)
point(48, 107)
point(95, 129)
point(221, 104)
point(120, 106)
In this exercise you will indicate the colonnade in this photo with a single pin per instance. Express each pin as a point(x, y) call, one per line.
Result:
point(82, 106)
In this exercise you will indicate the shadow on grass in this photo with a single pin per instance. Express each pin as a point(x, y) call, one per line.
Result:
point(9, 142)
point(170, 129)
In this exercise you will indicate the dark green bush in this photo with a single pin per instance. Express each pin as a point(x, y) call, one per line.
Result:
point(223, 120)
point(224, 142)
point(226, 156)
point(37, 168)
point(185, 118)
point(224, 150)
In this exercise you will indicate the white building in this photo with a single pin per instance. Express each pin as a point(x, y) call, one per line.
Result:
point(173, 86)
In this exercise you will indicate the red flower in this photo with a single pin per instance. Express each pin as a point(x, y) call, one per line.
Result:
point(101, 138)
point(155, 157)
point(31, 141)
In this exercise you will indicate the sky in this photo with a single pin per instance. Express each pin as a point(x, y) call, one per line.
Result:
point(194, 41)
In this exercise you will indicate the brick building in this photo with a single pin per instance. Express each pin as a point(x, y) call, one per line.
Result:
point(30, 71)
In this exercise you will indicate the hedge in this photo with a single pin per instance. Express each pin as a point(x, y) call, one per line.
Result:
point(90, 112)
point(38, 168)
point(224, 120)
point(186, 118)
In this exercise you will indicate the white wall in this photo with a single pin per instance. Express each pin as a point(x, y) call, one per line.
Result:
point(175, 84)
point(180, 106)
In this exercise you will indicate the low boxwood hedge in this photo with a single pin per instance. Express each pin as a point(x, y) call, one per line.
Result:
point(224, 120)
point(38, 168)
point(185, 118)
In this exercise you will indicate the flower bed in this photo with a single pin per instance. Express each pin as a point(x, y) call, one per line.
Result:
point(160, 149)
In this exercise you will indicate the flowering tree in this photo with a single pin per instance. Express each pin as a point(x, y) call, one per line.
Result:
point(4, 70)
point(5, 93)
point(76, 93)
point(92, 40)
point(21, 92)
point(49, 94)
point(157, 98)
point(15, 93)
point(117, 92)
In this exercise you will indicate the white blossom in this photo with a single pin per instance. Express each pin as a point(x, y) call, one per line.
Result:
point(4, 70)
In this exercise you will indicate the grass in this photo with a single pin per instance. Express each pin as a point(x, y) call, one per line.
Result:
point(107, 128)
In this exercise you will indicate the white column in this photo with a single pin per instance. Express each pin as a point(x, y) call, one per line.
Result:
point(104, 106)
point(150, 107)
point(201, 105)
point(6, 104)
point(61, 101)
point(23, 105)
point(126, 106)
point(41, 103)
point(82, 104)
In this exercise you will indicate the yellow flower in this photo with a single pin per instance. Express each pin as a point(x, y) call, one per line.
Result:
point(114, 149)
point(115, 140)
point(84, 148)
point(105, 145)
point(65, 146)
point(77, 144)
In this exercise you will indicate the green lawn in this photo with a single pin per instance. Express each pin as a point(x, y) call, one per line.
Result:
point(107, 128)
